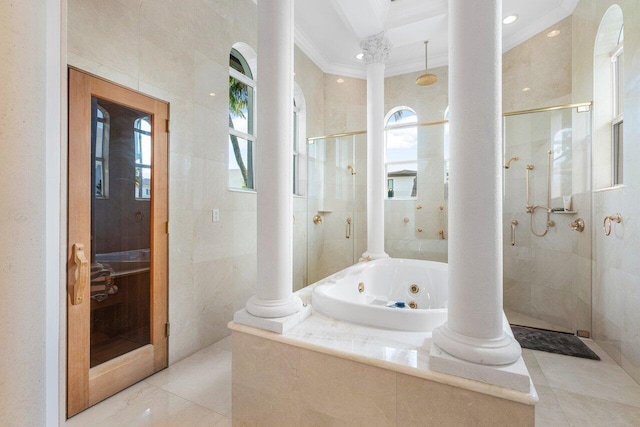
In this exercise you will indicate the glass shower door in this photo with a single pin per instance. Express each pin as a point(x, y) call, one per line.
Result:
point(331, 205)
point(547, 267)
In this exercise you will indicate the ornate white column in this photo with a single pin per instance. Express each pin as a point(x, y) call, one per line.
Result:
point(474, 331)
point(274, 296)
point(376, 52)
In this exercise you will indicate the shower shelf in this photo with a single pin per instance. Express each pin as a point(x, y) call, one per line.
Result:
point(324, 211)
point(565, 212)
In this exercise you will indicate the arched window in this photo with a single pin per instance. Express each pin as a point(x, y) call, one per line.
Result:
point(142, 141)
point(101, 183)
point(608, 97)
point(242, 87)
point(401, 139)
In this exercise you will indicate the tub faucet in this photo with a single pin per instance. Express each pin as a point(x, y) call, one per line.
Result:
point(365, 259)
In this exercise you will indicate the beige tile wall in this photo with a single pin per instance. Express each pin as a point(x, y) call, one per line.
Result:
point(616, 271)
point(179, 51)
point(276, 384)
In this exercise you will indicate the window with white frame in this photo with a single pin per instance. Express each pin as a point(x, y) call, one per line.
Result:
point(401, 139)
point(242, 88)
point(142, 143)
point(617, 82)
point(101, 183)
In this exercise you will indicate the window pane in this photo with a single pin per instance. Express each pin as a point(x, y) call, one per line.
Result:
point(142, 133)
point(143, 182)
point(403, 178)
point(617, 153)
point(240, 163)
point(402, 144)
point(619, 69)
point(238, 63)
point(295, 174)
point(99, 135)
point(402, 154)
point(240, 106)
point(99, 179)
point(402, 117)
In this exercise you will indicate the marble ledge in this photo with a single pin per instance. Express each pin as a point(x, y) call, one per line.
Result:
point(402, 352)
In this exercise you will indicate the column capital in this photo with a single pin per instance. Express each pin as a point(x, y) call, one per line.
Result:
point(375, 48)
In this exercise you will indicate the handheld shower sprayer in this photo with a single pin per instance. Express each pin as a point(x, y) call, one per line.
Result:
point(506, 165)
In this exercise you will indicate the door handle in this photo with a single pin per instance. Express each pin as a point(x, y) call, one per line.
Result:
point(348, 231)
point(81, 274)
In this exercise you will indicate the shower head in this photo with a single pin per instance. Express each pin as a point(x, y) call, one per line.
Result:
point(506, 165)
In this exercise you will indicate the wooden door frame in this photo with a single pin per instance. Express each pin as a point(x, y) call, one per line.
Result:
point(87, 386)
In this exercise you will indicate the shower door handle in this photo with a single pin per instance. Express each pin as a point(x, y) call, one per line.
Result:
point(514, 223)
point(81, 274)
point(348, 231)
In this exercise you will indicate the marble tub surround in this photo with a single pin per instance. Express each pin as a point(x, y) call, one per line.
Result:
point(307, 378)
point(399, 351)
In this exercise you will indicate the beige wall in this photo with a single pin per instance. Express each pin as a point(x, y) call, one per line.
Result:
point(180, 53)
point(22, 201)
point(543, 64)
point(616, 272)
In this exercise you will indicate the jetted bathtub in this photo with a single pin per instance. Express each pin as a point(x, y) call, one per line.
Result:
point(374, 293)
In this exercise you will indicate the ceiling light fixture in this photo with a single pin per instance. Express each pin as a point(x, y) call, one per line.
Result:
point(510, 19)
point(212, 94)
point(340, 80)
point(426, 79)
point(553, 33)
point(359, 56)
point(526, 89)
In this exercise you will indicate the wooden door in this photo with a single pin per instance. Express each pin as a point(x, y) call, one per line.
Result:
point(117, 239)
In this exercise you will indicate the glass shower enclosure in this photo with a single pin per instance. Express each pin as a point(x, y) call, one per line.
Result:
point(547, 257)
point(336, 203)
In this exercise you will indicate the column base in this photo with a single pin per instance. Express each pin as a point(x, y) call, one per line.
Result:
point(279, 325)
point(493, 352)
point(374, 255)
point(273, 308)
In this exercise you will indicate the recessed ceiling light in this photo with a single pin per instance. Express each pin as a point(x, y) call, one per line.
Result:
point(526, 89)
point(510, 19)
point(212, 94)
point(553, 33)
point(340, 80)
point(359, 56)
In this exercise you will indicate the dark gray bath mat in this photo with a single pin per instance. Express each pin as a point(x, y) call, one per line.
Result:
point(552, 342)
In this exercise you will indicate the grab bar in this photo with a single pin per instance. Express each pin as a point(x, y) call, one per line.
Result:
point(348, 231)
point(514, 223)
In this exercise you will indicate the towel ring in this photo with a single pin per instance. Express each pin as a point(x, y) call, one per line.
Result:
point(608, 220)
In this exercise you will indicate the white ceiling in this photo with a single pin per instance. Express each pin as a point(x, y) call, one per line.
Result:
point(329, 31)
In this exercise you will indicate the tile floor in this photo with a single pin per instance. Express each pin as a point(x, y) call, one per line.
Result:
point(197, 392)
